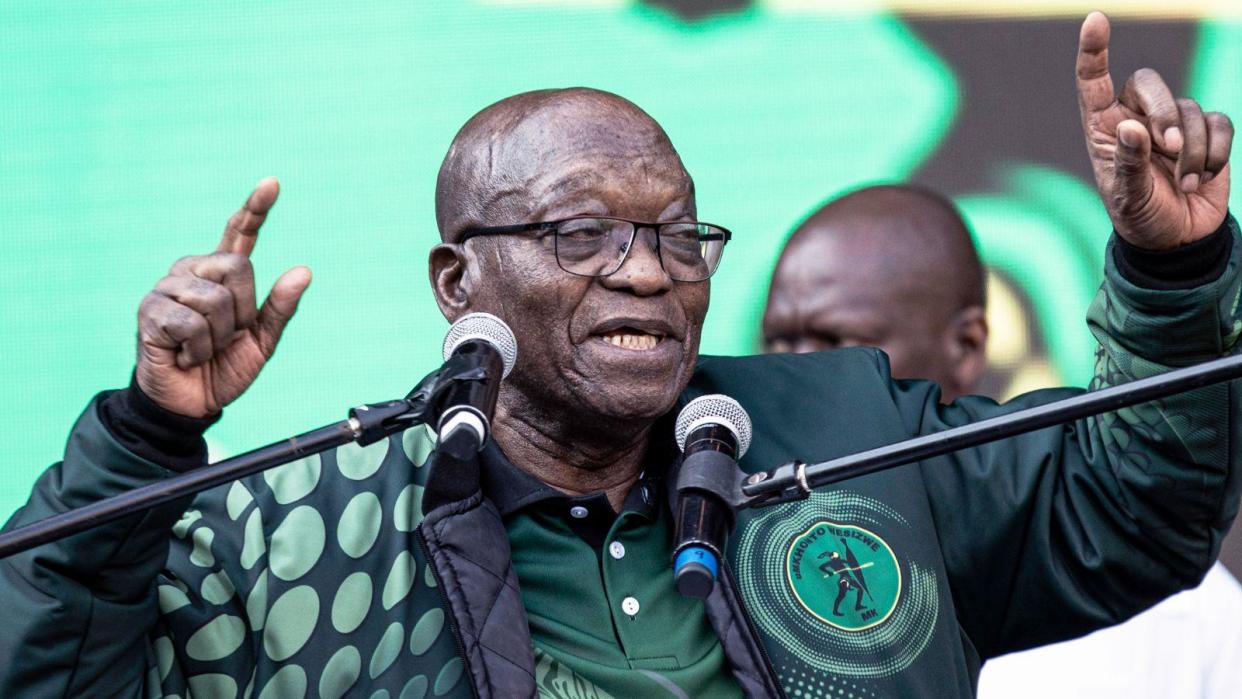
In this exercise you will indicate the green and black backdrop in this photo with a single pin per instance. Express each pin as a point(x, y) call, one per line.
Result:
point(130, 130)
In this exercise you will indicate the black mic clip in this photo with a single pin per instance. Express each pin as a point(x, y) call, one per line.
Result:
point(793, 487)
point(375, 421)
point(428, 402)
point(714, 473)
point(459, 369)
point(468, 378)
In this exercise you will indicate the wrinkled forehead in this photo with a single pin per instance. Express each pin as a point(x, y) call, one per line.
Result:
point(570, 128)
point(620, 167)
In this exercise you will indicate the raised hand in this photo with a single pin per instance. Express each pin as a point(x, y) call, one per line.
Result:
point(201, 341)
point(1161, 164)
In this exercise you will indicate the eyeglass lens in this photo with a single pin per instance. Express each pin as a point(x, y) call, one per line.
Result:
point(598, 247)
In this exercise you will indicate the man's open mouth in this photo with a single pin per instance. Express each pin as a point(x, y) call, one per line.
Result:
point(631, 339)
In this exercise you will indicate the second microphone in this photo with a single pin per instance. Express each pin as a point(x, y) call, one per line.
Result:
point(712, 431)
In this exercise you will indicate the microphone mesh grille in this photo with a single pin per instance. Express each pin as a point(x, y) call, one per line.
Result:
point(485, 327)
point(715, 409)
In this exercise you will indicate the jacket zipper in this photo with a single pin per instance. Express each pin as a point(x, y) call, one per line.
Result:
point(451, 617)
point(754, 634)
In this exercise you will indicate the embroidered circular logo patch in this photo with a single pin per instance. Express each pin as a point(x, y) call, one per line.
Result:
point(792, 598)
point(844, 575)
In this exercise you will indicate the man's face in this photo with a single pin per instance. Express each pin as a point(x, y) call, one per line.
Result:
point(621, 346)
point(830, 293)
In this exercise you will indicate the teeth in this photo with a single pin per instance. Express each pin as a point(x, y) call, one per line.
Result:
point(632, 341)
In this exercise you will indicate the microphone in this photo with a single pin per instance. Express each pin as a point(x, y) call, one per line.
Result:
point(712, 432)
point(479, 351)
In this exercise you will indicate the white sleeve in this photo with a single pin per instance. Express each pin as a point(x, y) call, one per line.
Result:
point(1187, 647)
point(1222, 630)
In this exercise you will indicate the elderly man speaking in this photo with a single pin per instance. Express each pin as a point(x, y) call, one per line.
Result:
point(569, 215)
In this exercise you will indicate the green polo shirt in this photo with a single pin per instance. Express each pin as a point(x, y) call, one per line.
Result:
point(597, 585)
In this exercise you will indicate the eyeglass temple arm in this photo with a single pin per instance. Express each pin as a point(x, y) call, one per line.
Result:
point(502, 230)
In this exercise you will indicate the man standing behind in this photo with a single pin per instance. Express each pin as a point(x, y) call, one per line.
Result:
point(894, 267)
point(890, 267)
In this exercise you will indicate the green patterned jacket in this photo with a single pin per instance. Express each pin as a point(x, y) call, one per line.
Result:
point(323, 578)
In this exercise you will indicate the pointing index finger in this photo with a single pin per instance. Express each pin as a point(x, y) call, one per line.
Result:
point(242, 230)
point(1095, 84)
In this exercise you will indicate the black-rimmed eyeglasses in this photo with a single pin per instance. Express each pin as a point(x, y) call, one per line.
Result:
point(595, 246)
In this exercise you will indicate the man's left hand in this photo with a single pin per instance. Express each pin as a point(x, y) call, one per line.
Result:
point(1161, 164)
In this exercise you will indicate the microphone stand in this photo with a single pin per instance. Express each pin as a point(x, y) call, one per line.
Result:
point(365, 425)
point(786, 483)
point(795, 480)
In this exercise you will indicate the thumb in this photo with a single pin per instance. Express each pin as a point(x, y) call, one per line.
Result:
point(1132, 181)
point(280, 306)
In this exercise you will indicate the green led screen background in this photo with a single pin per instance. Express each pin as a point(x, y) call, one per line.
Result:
point(129, 131)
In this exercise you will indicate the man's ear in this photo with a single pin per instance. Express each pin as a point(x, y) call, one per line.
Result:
point(450, 282)
point(968, 339)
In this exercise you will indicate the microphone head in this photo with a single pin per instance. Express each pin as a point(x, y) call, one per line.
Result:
point(486, 328)
point(714, 409)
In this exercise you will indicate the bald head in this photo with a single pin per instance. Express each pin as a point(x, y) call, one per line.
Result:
point(514, 155)
point(891, 267)
point(906, 236)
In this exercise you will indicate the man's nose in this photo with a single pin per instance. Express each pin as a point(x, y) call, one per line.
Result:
point(641, 272)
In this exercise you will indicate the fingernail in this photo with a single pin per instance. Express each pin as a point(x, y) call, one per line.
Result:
point(1173, 139)
point(1128, 137)
point(1190, 183)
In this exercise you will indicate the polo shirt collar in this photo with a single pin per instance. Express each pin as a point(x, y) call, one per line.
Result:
point(511, 489)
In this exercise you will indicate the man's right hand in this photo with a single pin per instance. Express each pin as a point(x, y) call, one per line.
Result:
point(201, 340)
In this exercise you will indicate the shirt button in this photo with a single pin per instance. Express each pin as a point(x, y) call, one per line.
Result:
point(617, 549)
point(629, 605)
point(578, 512)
